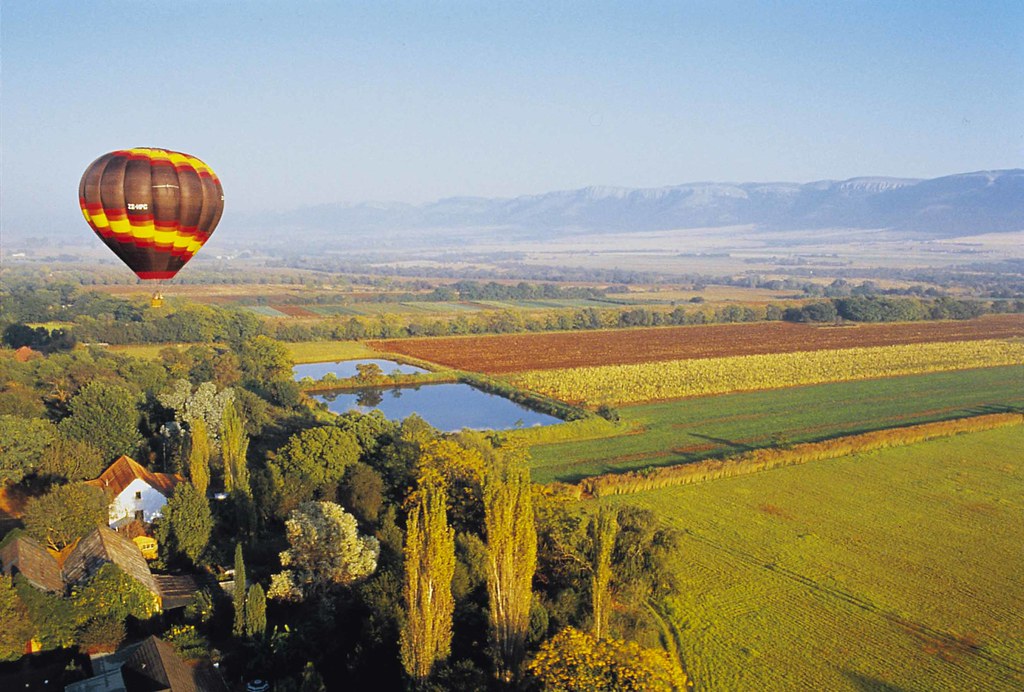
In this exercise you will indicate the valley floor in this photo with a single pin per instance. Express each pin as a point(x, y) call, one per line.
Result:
point(891, 570)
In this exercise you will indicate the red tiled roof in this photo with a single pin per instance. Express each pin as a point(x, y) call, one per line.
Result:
point(122, 472)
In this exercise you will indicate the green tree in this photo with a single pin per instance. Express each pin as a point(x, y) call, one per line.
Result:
point(313, 459)
point(17, 626)
point(255, 611)
point(72, 460)
point(264, 360)
point(429, 567)
point(23, 441)
point(111, 592)
point(234, 448)
point(604, 528)
point(199, 455)
point(187, 522)
point(106, 416)
point(512, 560)
point(325, 549)
point(239, 593)
point(65, 513)
point(362, 492)
point(573, 661)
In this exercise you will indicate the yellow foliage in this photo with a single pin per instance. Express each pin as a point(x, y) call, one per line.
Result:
point(624, 384)
point(575, 661)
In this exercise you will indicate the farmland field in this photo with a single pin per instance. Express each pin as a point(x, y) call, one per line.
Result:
point(676, 432)
point(641, 382)
point(501, 354)
point(891, 570)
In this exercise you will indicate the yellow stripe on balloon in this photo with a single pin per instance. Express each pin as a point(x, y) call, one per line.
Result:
point(120, 226)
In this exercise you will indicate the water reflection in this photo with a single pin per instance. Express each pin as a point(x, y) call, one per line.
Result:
point(447, 407)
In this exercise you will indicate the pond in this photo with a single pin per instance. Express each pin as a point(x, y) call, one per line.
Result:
point(447, 407)
point(347, 368)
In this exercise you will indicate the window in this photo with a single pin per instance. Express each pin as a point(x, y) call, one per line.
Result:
point(138, 495)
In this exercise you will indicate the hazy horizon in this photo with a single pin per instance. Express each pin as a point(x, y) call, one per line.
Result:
point(312, 103)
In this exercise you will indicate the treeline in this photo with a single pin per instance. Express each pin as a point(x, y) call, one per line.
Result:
point(96, 317)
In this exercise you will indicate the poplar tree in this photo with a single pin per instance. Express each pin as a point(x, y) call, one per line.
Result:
point(511, 561)
point(255, 611)
point(199, 455)
point(429, 567)
point(604, 528)
point(234, 446)
point(238, 629)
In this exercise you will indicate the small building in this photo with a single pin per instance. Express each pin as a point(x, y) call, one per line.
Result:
point(149, 665)
point(136, 492)
point(104, 546)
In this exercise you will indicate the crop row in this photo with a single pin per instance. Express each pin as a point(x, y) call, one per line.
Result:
point(624, 384)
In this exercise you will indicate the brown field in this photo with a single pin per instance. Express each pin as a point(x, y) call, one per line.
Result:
point(518, 352)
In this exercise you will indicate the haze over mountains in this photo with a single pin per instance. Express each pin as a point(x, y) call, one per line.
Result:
point(950, 206)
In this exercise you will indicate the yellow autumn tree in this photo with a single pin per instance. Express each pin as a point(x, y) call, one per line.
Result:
point(574, 661)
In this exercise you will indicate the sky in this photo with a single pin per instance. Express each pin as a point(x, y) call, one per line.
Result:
point(300, 103)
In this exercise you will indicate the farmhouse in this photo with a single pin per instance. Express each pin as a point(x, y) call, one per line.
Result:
point(137, 492)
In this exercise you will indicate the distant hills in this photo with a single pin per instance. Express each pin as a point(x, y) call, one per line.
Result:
point(950, 206)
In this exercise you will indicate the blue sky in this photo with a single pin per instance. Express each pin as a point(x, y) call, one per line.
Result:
point(297, 103)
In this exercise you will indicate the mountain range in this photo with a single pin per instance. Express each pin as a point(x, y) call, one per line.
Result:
point(950, 206)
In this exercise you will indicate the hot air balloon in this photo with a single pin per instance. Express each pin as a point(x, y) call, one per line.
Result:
point(153, 207)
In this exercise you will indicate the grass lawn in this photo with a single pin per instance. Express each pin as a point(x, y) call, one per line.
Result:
point(891, 570)
point(676, 432)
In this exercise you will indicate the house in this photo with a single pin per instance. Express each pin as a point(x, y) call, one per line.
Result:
point(103, 546)
point(136, 492)
point(149, 665)
point(22, 554)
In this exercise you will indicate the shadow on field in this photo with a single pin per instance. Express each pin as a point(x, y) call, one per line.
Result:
point(869, 684)
point(722, 441)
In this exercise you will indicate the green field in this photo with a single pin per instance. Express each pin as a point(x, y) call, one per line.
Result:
point(676, 432)
point(891, 570)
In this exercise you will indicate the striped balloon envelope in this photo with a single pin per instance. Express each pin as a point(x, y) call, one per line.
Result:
point(153, 207)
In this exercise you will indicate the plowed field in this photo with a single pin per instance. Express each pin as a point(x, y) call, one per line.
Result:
point(518, 352)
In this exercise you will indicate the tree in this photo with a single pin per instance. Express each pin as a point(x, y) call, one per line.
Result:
point(205, 403)
point(604, 528)
point(65, 513)
point(111, 592)
point(239, 593)
point(106, 416)
point(234, 447)
point(325, 550)
point(199, 455)
point(72, 460)
point(573, 661)
point(512, 560)
point(17, 628)
point(264, 360)
point(362, 492)
point(23, 441)
point(312, 459)
point(187, 522)
point(429, 567)
point(255, 611)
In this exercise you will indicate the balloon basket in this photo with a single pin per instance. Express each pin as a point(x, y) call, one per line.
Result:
point(157, 301)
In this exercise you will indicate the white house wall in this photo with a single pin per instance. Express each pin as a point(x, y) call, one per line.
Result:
point(139, 495)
